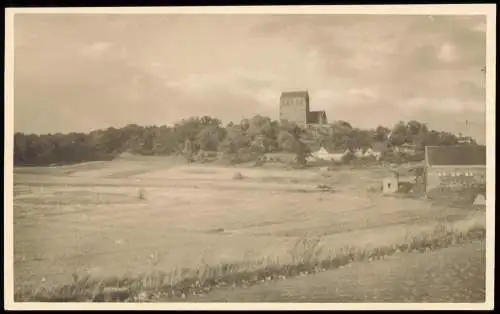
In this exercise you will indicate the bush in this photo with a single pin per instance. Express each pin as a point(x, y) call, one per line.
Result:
point(308, 256)
point(392, 157)
point(418, 156)
point(325, 188)
point(259, 163)
point(348, 158)
point(141, 194)
point(365, 161)
point(374, 188)
point(238, 176)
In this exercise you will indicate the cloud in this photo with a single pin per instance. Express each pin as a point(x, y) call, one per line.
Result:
point(446, 105)
point(96, 48)
point(201, 83)
point(447, 53)
point(118, 69)
point(363, 92)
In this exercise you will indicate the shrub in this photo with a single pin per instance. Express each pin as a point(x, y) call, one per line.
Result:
point(392, 157)
point(259, 163)
point(238, 176)
point(418, 156)
point(307, 257)
point(374, 188)
point(325, 188)
point(141, 194)
point(348, 158)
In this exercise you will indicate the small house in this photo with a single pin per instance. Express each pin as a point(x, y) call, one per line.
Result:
point(371, 153)
point(324, 154)
point(406, 149)
point(357, 152)
point(376, 150)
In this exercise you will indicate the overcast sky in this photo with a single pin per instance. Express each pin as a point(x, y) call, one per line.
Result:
point(84, 72)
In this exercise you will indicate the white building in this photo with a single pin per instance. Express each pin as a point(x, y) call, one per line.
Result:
point(324, 154)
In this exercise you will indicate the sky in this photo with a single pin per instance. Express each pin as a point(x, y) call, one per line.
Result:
point(81, 72)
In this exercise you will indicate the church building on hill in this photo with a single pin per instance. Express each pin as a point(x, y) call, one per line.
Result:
point(294, 107)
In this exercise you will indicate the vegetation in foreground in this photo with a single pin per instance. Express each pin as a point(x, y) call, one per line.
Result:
point(181, 283)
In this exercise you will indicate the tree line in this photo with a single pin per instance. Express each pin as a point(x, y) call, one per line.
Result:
point(195, 135)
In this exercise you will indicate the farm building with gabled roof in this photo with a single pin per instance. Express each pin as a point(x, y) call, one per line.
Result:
point(459, 169)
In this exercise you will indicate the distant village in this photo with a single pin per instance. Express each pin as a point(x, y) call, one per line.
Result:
point(259, 137)
point(295, 107)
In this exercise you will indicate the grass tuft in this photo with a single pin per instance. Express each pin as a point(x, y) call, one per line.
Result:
point(238, 176)
point(141, 194)
point(307, 258)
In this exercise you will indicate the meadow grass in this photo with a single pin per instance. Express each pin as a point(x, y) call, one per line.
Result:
point(307, 258)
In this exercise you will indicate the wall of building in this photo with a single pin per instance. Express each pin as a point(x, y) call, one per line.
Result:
point(323, 119)
point(294, 109)
point(455, 172)
point(460, 180)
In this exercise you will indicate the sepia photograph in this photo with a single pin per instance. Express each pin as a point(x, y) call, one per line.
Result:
point(273, 157)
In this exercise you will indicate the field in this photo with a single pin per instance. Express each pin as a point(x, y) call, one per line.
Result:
point(138, 215)
point(453, 274)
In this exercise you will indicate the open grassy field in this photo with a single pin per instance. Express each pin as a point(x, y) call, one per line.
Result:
point(144, 214)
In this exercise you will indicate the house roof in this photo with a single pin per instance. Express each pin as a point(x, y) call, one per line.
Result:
point(317, 147)
point(458, 155)
point(295, 94)
point(408, 145)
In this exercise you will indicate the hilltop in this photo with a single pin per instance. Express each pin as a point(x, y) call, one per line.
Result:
point(240, 142)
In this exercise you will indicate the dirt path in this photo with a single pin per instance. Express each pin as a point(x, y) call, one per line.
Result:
point(455, 274)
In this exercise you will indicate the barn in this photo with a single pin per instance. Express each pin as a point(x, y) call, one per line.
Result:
point(458, 171)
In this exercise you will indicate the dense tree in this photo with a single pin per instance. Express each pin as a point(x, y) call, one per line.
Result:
point(343, 124)
point(420, 138)
point(209, 137)
point(290, 139)
point(195, 135)
point(359, 139)
point(236, 140)
point(381, 134)
point(398, 134)
point(188, 150)
point(413, 131)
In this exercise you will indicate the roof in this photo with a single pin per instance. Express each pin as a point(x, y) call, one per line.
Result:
point(295, 94)
point(458, 155)
point(315, 116)
point(408, 145)
point(329, 150)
